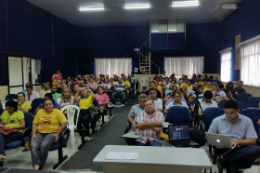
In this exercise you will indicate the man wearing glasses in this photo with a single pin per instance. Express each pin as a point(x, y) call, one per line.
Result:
point(30, 95)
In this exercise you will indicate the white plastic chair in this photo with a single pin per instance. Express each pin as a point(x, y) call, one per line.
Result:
point(144, 83)
point(71, 125)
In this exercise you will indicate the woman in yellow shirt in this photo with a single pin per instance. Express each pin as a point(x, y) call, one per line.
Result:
point(85, 101)
point(23, 105)
point(208, 87)
point(12, 121)
point(47, 127)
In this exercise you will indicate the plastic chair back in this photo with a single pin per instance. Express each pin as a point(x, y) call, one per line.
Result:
point(221, 104)
point(35, 104)
point(72, 110)
point(211, 113)
point(11, 97)
point(242, 106)
point(254, 115)
point(144, 83)
point(178, 115)
point(243, 97)
point(254, 102)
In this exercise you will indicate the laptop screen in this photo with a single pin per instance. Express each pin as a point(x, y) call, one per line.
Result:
point(178, 132)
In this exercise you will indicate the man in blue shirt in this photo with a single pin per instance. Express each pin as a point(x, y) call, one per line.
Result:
point(242, 133)
point(120, 88)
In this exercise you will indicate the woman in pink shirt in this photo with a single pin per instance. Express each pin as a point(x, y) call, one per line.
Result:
point(101, 97)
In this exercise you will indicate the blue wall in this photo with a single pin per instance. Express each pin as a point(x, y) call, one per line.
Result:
point(25, 30)
point(244, 21)
point(109, 42)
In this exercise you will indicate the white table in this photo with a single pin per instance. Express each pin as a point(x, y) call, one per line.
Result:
point(131, 135)
point(155, 160)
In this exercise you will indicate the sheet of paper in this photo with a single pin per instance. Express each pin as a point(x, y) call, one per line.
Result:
point(113, 155)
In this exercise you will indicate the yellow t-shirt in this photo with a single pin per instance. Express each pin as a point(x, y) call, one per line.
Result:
point(43, 92)
point(127, 83)
point(182, 85)
point(26, 105)
point(189, 87)
point(49, 122)
point(12, 120)
point(159, 87)
point(85, 103)
point(207, 89)
point(200, 83)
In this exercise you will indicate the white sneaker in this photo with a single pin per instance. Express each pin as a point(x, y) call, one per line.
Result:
point(113, 105)
point(122, 105)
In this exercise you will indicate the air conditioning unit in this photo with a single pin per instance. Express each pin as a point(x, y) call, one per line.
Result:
point(225, 10)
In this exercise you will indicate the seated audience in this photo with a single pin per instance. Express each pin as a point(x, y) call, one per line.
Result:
point(102, 80)
point(189, 84)
point(23, 105)
point(85, 102)
point(107, 87)
point(54, 93)
point(73, 83)
point(149, 125)
point(63, 83)
point(185, 83)
point(194, 78)
point(181, 80)
point(177, 102)
point(135, 110)
point(68, 80)
point(171, 98)
point(242, 133)
point(57, 76)
point(27, 84)
point(46, 89)
point(101, 97)
point(229, 88)
point(207, 102)
point(12, 120)
point(175, 83)
point(208, 87)
point(171, 90)
point(239, 89)
point(211, 79)
point(157, 101)
point(47, 96)
point(75, 90)
point(92, 84)
point(66, 98)
point(48, 125)
point(30, 95)
point(119, 92)
point(200, 80)
point(218, 94)
point(194, 86)
point(167, 82)
point(152, 85)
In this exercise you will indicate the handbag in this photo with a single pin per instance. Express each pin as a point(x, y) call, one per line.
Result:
point(94, 112)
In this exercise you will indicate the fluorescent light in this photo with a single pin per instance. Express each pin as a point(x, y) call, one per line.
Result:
point(185, 3)
point(155, 31)
point(136, 7)
point(92, 9)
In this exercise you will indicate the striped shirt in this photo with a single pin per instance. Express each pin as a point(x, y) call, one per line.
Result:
point(120, 86)
point(149, 134)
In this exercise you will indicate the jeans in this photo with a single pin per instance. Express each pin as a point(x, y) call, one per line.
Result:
point(84, 118)
point(121, 95)
point(6, 140)
point(240, 158)
point(40, 147)
point(154, 144)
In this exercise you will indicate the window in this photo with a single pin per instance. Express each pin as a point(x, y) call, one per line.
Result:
point(225, 65)
point(250, 63)
point(183, 65)
point(110, 66)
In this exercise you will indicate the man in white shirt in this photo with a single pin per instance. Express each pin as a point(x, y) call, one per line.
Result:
point(207, 102)
point(157, 101)
point(30, 95)
point(163, 75)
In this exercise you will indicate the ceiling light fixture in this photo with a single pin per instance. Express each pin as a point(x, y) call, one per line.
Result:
point(92, 9)
point(185, 3)
point(136, 7)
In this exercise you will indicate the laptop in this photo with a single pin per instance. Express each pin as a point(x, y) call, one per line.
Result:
point(220, 141)
point(179, 136)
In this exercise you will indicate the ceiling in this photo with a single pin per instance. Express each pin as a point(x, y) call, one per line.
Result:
point(115, 15)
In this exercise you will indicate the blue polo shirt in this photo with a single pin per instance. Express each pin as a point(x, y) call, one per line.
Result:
point(242, 128)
